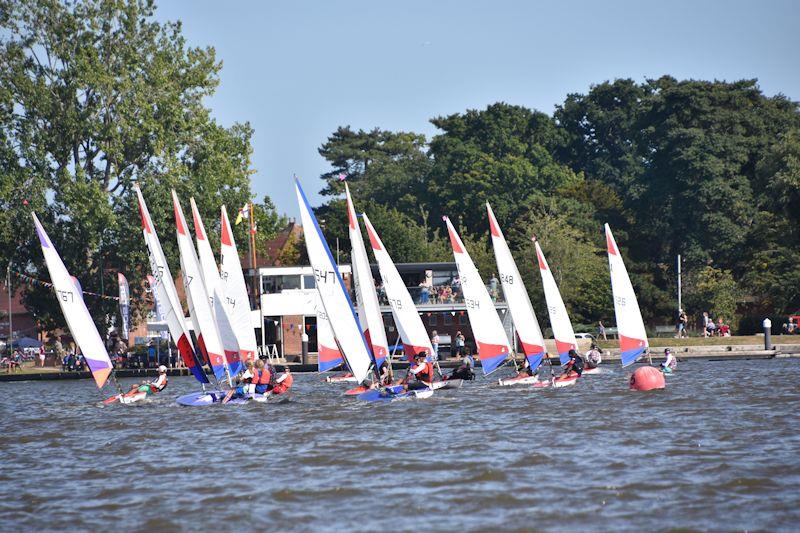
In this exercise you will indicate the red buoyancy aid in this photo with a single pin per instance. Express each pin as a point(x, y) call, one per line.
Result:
point(427, 374)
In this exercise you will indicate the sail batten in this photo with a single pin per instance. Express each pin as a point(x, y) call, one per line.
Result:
point(519, 303)
point(633, 341)
point(490, 336)
point(333, 293)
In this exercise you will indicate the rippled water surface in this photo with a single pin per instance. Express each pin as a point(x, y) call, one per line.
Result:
point(718, 449)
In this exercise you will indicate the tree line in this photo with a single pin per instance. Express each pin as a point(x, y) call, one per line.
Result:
point(709, 170)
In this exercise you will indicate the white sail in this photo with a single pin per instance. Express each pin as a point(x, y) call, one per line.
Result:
point(328, 354)
point(519, 303)
point(333, 293)
point(235, 291)
point(630, 326)
point(205, 327)
point(79, 321)
point(164, 288)
point(213, 285)
point(559, 319)
point(490, 336)
point(413, 334)
point(369, 310)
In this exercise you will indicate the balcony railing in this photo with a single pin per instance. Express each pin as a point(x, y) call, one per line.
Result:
point(440, 295)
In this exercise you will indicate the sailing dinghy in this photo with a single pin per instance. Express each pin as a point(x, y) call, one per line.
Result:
point(559, 319)
point(79, 321)
point(200, 312)
point(490, 336)
point(333, 294)
point(164, 292)
point(633, 341)
point(214, 288)
point(235, 291)
point(519, 304)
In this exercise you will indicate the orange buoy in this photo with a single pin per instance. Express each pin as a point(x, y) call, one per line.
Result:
point(647, 378)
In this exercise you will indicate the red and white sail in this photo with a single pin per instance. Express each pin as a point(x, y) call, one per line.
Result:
point(165, 292)
point(369, 310)
point(519, 303)
point(328, 354)
point(632, 334)
point(413, 334)
point(205, 328)
point(235, 291)
point(490, 336)
point(559, 319)
point(213, 284)
point(333, 293)
point(79, 321)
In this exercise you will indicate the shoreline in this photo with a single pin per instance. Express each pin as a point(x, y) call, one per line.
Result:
point(685, 353)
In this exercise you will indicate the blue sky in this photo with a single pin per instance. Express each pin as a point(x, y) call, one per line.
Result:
point(296, 70)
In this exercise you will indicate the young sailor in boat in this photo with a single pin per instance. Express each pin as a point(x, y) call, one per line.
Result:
point(151, 387)
point(465, 370)
point(385, 373)
point(593, 356)
point(284, 382)
point(244, 380)
point(262, 377)
point(575, 364)
point(670, 363)
point(422, 370)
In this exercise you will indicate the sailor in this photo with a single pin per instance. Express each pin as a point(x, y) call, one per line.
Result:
point(670, 361)
point(262, 378)
point(575, 364)
point(465, 370)
point(422, 370)
point(593, 356)
point(244, 381)
point(151, 387)
point(526, 370)
point(385, 373)
point(284, 382)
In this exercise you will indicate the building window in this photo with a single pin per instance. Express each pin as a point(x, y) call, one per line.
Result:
point(448, 319)
point(276, 284)
point(462, 319)
point(432, 319)
point(309, 282)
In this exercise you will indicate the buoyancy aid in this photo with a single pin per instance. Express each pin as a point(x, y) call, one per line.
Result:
point(427, 373)
point(160, 384)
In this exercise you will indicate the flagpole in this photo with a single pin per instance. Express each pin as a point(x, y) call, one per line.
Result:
point(252, 246)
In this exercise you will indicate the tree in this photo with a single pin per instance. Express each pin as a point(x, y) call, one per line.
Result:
point(96, 95)
point(714, 290)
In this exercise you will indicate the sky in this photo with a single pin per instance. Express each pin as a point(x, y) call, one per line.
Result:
point(297, 70)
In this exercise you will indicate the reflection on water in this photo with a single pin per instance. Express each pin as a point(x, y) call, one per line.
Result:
point(716, 450)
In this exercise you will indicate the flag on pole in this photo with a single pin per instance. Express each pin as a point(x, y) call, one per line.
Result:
point(244, 212)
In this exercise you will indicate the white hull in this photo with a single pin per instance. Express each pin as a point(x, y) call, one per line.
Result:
point(517, 380)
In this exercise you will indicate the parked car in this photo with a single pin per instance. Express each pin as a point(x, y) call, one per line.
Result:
point(585, 336)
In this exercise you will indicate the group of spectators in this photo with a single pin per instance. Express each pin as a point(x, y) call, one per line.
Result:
point(791, 327)
point(712, 328)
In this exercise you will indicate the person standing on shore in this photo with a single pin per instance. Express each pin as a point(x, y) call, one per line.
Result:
point(601, 330)
point(42, 355)
point(460, 343)
point(680, 326)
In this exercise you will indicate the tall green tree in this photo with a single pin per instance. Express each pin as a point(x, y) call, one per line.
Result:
point(94, 96)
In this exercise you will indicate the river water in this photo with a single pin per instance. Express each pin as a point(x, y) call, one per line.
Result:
point(717, 450)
